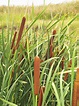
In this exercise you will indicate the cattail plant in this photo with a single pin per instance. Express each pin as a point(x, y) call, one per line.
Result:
point(36, 75)
point(18, 41)
point(51, 53)
point(13, 40)
point(51, 43)
point(42, 89)
point(62, 63)
point(20, 31)
point(19, 35)
point(66, 75)
point(75, 98)
point(54, 32)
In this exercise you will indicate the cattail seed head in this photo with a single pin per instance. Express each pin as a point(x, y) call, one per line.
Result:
point(36, 75)
point(20, 31)
point(54, 32)
point(42, 89)
point(13, 41)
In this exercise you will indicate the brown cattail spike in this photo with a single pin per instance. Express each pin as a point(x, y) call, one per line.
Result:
point(51, 48)
point(54, 32)
point(77, 75)
point(75, 97)
point(41, 61)
point(62, 63)
point(13, 51)
point(66, 75)
point(42, 89)
point(13, 41)
point(20, 31)
point(36, 75)
point(51, 54)
point(51, 39)
point(19, 35)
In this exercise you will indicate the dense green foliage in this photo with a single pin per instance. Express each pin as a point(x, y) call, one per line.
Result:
point(17, 70)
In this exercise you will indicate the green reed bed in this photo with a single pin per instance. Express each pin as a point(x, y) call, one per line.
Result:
point(17, 64)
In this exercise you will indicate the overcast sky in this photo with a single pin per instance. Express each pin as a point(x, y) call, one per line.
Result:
point(29, 2)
